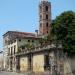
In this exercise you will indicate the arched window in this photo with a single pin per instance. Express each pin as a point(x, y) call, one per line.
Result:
point(47, 31)
point(40, 24)
point(40, 17)
point(46, 16)
point(46, 8)
point(40, 8)
point(47, 24)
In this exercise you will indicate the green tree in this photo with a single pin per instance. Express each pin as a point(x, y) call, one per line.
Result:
point(63, 29)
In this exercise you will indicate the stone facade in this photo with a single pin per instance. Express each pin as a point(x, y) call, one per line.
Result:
point(23, 64)
point(37, 59)
point(14, 44)
point(38, 63)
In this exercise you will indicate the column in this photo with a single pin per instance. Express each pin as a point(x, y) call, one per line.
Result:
point(18, 64)
point(30, 62)
point(46, 62)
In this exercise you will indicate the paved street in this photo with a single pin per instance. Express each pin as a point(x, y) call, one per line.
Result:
point(9, 73)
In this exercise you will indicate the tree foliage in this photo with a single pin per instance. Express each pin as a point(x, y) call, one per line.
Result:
point(63, 29)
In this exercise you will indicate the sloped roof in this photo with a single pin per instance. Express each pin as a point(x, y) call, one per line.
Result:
point(17, 34)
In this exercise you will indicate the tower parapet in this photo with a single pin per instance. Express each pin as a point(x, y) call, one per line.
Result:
point(44, 0)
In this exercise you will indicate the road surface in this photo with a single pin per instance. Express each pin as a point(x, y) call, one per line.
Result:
point(9, 73)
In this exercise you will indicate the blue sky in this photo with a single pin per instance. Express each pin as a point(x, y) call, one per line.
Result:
point(23, 15)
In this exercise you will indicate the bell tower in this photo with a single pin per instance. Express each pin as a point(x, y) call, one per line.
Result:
point(44, 17)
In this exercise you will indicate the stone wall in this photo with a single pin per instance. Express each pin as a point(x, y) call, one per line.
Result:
point(69, 66)
point(23, 64)
point(38, 63)
point(72, 60)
